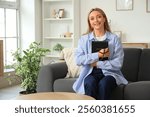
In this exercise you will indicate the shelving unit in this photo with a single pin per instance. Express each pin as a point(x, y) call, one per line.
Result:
point(55, 28)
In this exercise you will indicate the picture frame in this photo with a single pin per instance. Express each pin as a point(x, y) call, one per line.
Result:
point(148, 6)
point(61, 13)
point(119, 34)
point(124, 5)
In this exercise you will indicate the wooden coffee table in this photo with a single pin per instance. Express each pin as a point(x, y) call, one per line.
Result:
point(54, 96)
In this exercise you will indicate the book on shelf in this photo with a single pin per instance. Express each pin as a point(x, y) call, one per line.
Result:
point(97, 46)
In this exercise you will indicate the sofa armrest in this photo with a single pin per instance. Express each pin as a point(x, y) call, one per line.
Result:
point(48, 74)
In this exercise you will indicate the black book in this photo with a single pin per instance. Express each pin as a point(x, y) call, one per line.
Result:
point(98, 45)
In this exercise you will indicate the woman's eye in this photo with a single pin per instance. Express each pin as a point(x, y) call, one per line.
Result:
point(91, 18)
point(99, 16)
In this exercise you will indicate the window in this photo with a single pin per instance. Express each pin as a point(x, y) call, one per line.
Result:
point(9, 31)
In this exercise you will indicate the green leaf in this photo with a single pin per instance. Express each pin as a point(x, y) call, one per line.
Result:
point(28, 64)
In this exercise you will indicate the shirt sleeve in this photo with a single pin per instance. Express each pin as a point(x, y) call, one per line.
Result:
point(82, 54)
point(115, 61)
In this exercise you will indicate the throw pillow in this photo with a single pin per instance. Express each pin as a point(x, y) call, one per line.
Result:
point(68, 55)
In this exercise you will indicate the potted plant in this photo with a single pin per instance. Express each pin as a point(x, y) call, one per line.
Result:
point(28, 64)
point(58, 47)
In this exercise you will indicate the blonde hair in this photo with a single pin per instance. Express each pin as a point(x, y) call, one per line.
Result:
point(106, 24)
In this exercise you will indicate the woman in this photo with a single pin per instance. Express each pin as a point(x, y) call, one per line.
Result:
point(98, 78)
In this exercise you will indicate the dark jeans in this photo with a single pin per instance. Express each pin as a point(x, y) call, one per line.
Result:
point(99, 86)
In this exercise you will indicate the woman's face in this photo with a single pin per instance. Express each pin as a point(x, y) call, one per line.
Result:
point(96, 20)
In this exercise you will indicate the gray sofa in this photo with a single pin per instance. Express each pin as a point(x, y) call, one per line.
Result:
point(136, 69)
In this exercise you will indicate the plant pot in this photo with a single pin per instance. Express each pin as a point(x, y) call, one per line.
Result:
point(27, 92)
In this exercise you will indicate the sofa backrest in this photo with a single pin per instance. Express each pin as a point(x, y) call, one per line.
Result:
point(130, 67)
point(144, 66)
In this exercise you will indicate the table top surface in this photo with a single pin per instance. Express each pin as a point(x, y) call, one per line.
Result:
point(54, 96)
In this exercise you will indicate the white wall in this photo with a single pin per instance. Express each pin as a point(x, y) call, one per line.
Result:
point(38, 20)
point(27, 22)
point(134, 24)
point(30, 20)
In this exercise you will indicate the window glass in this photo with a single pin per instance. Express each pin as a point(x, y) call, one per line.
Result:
point(11, 23)
point(11, 46)
point(2, 34)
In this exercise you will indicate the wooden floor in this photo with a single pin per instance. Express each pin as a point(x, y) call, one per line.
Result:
point(10, 92)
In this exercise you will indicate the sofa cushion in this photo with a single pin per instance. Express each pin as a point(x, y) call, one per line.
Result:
point(137, 91)
point(130, 66)
point(68, 55)
point(117, 93)
point(144, 65)
point(64, 85)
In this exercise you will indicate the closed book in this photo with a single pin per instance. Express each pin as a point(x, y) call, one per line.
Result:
point(97, 46)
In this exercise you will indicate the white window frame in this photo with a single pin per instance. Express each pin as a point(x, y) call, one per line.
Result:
point(11, 5)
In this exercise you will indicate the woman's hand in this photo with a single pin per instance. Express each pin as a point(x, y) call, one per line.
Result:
point(107, 53)
point(101, 53)
point(104, 53)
